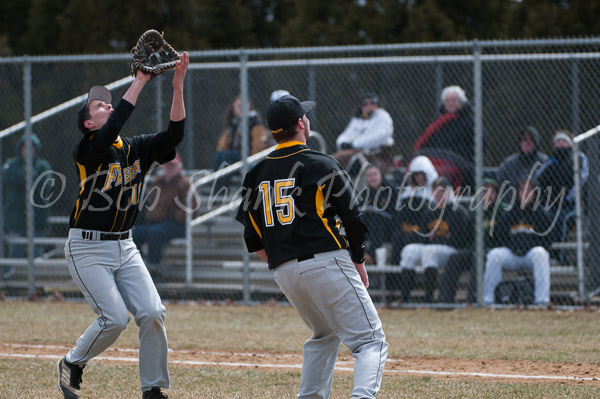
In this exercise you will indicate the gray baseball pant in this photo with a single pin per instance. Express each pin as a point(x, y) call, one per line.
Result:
point(331, 299)
point(114, 280)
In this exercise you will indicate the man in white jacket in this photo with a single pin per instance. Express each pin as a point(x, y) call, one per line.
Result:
point(369, 133)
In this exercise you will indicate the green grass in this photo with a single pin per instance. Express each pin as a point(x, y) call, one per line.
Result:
point(553, 336)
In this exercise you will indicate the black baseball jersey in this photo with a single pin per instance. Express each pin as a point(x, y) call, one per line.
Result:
point(111, 173)
point(290, 202)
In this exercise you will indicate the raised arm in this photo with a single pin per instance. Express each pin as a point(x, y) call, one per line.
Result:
point(141, 78)
point(177, 106)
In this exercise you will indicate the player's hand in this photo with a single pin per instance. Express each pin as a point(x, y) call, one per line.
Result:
point(143, 76)
point(180, 70)
point(360, 268)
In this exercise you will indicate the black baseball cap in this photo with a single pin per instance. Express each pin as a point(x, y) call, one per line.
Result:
point(285, 112)
point(96, 93)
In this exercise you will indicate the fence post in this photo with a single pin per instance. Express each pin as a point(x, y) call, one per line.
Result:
point(188, 235)
point(28, 174)
point(312, 91)
point(575, 96)
point(478, 128)
point(245, 154)
point(579, 228)
point(188, 139)
point(439, 83)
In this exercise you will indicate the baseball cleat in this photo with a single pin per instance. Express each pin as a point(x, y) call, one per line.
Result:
point(154, 393)
point(69, 378)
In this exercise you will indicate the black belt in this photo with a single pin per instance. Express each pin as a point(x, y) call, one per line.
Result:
point(305, 257)
point(88, 235)
point(114, 236)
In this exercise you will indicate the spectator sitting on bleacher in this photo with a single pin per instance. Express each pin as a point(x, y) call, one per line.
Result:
point(410, 216)
point(521, 164)
point(555, 178)
point(523, 241)
point(464, 259)
point(421, 174)
point(447, 230)
point(378, 201)
point(16, 198)
point(163, 219)
point(229, 146)
point(449, 140)
point(369, 133)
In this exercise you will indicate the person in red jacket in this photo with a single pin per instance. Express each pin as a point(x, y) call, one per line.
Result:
point(449, 140)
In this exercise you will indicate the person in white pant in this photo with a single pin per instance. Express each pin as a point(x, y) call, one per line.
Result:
point(523, 231)
point(446, 231)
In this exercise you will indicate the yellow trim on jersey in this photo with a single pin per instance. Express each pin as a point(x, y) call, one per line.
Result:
point(82, 179)
point(255, 226)
point(289, 155)
point(319, 199)
point(119, 144)
point(288, 144)
point(338, 224)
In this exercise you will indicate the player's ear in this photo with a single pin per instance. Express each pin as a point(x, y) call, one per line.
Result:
point(88, 124)
point(300, 123)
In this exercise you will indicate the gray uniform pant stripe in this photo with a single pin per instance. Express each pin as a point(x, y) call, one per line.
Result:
point(331, 299)
point(115, 282)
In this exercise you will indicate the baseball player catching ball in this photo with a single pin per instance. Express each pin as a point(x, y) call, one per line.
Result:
point(291, 200)
point(101, 255)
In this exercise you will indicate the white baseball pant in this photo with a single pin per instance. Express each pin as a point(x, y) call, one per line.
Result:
point(426, 255)
point(536, 258)
point(331, 299)
point(114, 280)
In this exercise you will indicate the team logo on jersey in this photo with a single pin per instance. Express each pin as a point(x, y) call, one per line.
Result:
point(116, 175)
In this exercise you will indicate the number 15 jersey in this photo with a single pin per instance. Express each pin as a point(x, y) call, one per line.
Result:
point(290, 202)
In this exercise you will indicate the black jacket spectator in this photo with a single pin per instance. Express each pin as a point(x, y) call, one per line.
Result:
point(450, 226)
point(520, 165)
point(521, 229)
point(379, 200)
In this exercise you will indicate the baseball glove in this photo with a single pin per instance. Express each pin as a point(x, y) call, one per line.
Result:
point(152, 54)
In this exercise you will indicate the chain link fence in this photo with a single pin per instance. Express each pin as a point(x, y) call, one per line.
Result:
point(519, 102)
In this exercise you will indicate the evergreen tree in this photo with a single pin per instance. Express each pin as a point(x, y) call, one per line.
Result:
point(86, 26)
point(428, 23)
point(13, 24)
point(42, 31)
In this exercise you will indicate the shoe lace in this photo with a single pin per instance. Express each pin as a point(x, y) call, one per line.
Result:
point(76, 375)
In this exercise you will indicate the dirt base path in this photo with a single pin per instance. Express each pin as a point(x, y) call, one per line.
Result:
point(446, 368)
